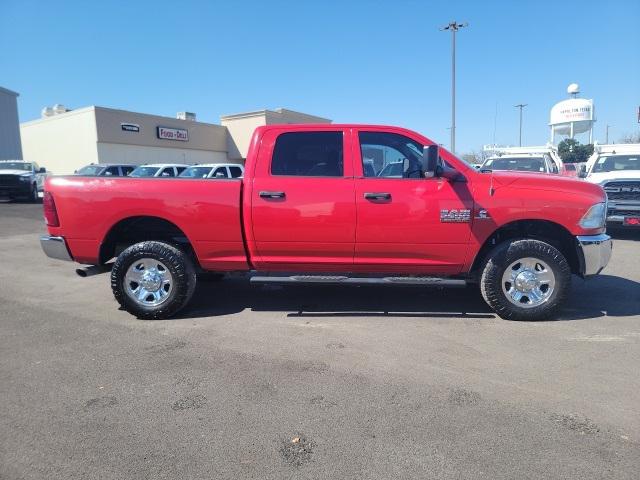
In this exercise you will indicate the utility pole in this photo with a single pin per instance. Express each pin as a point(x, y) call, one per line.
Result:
point(453, 27)
point(520, 106)
point(606, 141)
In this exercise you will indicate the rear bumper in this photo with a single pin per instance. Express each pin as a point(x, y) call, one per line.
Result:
point(55, 247)
point(594, 252)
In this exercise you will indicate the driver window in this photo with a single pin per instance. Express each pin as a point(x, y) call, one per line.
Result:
point(390, 155)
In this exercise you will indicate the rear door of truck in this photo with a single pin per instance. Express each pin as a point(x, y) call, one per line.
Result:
point(303, 214)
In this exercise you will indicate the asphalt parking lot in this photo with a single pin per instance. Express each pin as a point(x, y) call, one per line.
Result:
point(311, 382)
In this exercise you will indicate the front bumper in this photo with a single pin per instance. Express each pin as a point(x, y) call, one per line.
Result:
point(55, 247)
point(617, 212)
point(19, 190)
point(594, 252)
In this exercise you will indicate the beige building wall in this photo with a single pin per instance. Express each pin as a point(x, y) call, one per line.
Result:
point(63, 143)
point(242, 125)
point(136, 154)
point(202, 136)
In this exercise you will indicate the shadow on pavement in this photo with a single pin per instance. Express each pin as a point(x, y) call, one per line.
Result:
point(596, 297)
point(236, 294)
point(602, 295)
point(632, 234)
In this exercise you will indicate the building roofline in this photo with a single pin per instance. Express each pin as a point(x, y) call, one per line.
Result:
point(118, 110)
point(156, 116)
point(10, 92)
point(266, 111)
point(59, 115)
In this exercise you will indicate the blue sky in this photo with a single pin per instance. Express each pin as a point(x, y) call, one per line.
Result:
point(351, 61)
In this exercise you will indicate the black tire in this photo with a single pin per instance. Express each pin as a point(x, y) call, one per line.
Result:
point(511, 251)
point(177, 262)
point(33, 194)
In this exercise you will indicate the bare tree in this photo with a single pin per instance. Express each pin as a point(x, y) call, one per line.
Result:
point(630, 138)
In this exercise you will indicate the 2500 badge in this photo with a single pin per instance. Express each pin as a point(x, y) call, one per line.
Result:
point(455, 216)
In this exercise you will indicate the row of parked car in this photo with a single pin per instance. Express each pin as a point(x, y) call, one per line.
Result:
point(166, 170)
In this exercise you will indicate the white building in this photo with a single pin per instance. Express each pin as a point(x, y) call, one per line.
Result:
point(63, 141)
point(10, 148)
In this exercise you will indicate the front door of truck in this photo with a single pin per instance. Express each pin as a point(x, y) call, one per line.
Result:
point(406, 223)
point(303, 214)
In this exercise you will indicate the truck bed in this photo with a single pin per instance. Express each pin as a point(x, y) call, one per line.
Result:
point(206, 211)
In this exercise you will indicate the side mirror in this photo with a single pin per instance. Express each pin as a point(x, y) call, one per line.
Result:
point(42, 170)
point(582, 174)
point(430, 156)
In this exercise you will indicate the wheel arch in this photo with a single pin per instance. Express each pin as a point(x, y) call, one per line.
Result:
point(139, 228)
point(544, 230)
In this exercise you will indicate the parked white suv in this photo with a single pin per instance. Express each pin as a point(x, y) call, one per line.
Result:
point(616, 168)
point(214, 170)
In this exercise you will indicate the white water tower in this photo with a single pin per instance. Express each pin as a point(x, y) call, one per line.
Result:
point(572, 116)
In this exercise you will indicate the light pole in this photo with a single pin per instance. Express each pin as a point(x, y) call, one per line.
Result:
point(520, 106)
point(606, 141)
point(453, 27)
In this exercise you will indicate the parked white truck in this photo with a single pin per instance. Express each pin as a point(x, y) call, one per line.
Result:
point(616, 168)
point(538, 159)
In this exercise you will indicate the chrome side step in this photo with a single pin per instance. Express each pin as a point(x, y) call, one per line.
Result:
point(341, 279)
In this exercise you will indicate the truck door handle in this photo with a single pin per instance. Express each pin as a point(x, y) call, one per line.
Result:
point(272, 194)
point(378, 196)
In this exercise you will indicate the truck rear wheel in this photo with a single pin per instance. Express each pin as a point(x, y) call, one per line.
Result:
point(525, 280)
point(153, 280)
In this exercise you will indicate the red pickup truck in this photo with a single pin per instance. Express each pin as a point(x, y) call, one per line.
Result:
point(336, 204)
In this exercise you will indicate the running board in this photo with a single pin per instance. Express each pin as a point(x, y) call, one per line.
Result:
point(340, 279)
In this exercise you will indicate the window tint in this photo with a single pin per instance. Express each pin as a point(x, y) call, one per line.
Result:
point(235, 172)
point(127, 170)
point(308, 154)
point(168, 172)
point(384, 155)
point(180, 169)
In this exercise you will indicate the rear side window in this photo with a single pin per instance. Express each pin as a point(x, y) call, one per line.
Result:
point(167, 172)
point(308, 154)
point(220, 172)
point(127, 170)
point(235, 172)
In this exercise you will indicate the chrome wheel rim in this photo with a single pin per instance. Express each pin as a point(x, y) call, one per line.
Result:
point(148, 282)
point(528, 282)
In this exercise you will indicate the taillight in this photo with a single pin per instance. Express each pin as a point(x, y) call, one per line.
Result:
point(50, 212)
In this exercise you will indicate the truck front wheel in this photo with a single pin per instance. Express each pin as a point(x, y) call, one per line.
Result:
point(525, 280)
point(153, 280)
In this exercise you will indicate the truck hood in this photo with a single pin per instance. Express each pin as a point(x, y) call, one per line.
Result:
point(603, 177)
point(549, 182)
point(7, 171)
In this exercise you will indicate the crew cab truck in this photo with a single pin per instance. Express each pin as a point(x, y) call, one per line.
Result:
point(306, 211)
point(616, 168)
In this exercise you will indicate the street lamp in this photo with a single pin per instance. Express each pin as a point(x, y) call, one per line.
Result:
point(521, 106)
point(607, 134)
point(453, 27)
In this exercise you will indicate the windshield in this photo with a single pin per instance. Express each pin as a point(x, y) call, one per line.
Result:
point(521, 164)
point(144, 172)
point(15, 166)
point(196, 172)
point(616, 163)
